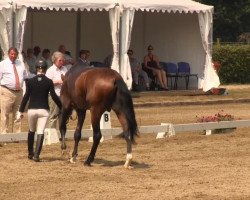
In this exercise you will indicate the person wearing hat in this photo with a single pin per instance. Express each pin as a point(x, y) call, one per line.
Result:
point(153, 68)
point(37, 92)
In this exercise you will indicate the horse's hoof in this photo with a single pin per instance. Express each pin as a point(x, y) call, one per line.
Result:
point(63, 146)
point(88, 164)
point(72, 160)
point(127, 164)
point(128, 167)
point(37, 159)
point(64, 152)
point(91, 160)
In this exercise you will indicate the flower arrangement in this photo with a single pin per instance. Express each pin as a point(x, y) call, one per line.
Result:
point(216, 65)
point(220, 116)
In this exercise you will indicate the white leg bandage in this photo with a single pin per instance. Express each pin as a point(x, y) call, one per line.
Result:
point(128, 161)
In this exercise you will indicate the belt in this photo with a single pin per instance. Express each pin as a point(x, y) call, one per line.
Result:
point(10, 89)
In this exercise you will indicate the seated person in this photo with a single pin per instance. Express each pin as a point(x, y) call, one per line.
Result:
point(46, 57)
point(37, 51)
point(108, 61)
point(31, 60)
point(152, 66)
point(137, 71)
point(68, 60)
point(84, 58)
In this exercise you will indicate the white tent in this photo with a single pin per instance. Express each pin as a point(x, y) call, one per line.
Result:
point(5, 24)
point(173, 40)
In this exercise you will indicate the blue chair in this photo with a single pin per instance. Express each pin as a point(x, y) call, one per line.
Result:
point(171, 72)
point(184, 72)
point(97, 64)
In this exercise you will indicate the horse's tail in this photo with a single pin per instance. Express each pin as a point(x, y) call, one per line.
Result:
point(123, 105)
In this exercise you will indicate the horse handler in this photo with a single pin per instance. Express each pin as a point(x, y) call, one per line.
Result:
point(37, 91)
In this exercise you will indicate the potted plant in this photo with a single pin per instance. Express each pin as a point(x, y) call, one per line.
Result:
point(220, 116)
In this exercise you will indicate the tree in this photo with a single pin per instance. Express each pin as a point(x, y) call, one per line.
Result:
point(231, 18)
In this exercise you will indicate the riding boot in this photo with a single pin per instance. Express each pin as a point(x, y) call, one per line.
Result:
point(31, 136)
point(39, 145)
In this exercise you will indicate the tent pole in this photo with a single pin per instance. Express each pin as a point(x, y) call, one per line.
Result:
point(12, 25)
point(120, 42)
point(78, 32)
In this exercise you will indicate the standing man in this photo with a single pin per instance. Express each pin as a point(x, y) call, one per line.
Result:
point(12, 75)
point(54, 73)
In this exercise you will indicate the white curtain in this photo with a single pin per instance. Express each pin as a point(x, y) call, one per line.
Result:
point(6, 30)
point(20, 20)
point(114, 18)
point(211, 79)
point(126, 29)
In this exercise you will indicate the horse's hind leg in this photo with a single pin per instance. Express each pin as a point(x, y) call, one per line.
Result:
point(126, 135)
point(129, 150)
point(95, 120)
point(63, 125)
point(78, 132)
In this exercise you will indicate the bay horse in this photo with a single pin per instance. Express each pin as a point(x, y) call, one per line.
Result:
point(97, 90)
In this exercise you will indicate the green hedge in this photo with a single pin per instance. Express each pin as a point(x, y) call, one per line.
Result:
point(235, 63)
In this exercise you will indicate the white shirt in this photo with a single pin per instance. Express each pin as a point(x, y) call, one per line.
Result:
point(54, 73)
point(7, 74)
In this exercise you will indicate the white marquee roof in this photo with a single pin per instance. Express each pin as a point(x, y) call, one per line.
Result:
point(147, 5)
point(67, 4)
point(167, 5)
point(4, 4)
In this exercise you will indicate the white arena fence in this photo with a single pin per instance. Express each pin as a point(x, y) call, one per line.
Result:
point(163, 130)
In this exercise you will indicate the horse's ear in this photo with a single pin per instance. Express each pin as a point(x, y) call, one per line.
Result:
point(62, 77)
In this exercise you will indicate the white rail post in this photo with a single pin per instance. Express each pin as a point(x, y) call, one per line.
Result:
point(169, 131)
point(50, 136)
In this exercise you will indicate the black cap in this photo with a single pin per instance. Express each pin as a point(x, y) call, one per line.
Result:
point(41, 64)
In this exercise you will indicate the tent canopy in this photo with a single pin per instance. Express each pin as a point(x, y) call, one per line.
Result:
point(186, 6)
point(125, 10)
point(68, 4)
point(4, 4)
point(144, 5)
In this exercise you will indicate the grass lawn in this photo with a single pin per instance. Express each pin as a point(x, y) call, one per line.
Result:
point(235, 92)
point(182, 112)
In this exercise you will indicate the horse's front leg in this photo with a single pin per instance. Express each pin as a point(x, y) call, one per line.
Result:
point(63, 126)
point(78, 133)
point(95, 119)
point(129, 151)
